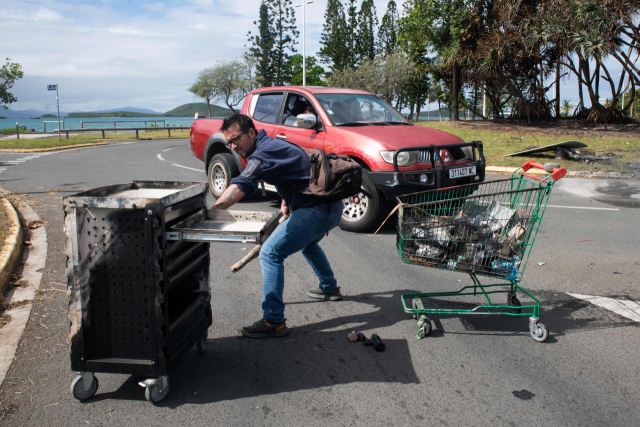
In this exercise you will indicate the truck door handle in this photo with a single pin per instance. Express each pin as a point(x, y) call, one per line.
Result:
point(281, 137)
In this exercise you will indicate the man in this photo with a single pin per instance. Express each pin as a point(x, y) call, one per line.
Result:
point(308, 218)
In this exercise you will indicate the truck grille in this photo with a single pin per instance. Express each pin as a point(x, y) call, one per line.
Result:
point(456, 153)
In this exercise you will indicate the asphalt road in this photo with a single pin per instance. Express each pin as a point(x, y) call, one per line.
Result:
point(475, 370)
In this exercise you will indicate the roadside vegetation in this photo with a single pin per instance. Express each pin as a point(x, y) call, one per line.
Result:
point(14, 144)
point(498, 143)
point(4, 225)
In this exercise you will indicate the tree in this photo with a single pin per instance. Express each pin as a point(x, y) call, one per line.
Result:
point(366, 33)
point(285, 34)
point(9, 73)
point(351, 33)
point(231, 81)
point(203, 87)
point(567, 107)
point(262, 46)
point(334, 51)
point(293, 71)
point(388, 32)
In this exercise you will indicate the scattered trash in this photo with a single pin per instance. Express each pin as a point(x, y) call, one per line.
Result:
point(35, 224)
point(377, 342)
point(367, 341)
point(586, 240)
point(243, 249)
point(361, 336)
point(353, 337)
point(567, 145)
point(616, 272)
point(541, 263)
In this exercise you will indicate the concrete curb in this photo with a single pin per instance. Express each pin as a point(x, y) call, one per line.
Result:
point(63, 147)
point(12, 249)
point(578, 174)
point(34, 258)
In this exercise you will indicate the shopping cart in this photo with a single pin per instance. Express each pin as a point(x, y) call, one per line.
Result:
point(483, 229)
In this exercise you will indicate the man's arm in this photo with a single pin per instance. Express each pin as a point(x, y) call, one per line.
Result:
point(230, 197)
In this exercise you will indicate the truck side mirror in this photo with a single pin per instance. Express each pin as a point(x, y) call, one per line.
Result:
point(306, 121)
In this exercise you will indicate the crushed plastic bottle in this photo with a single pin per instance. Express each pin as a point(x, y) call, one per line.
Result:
point(506, 267)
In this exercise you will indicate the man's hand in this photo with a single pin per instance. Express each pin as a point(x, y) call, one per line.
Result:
point(284, 209)
point(230, 197)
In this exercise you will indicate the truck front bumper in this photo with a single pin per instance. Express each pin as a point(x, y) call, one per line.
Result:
point(396, 183)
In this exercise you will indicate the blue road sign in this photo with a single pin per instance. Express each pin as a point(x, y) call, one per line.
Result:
point(52, 87)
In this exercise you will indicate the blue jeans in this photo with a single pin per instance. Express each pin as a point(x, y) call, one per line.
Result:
point(301, 231)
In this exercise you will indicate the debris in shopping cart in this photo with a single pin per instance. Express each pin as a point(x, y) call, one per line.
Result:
point(542, 263)
point(440, 233)
point(428, 251)
point(353, 337)
point(507, 267)
point(377, 342)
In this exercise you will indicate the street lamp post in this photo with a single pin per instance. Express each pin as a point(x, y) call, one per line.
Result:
point(304, 57)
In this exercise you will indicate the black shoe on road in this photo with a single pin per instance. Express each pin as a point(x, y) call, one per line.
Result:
point(265, 329)
point(317, 293)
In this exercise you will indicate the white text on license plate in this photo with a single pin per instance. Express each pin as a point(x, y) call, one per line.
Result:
point(457, 173)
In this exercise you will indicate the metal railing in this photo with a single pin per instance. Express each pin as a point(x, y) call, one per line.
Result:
point(136, 129)
point(44, 122)
point(164, 124)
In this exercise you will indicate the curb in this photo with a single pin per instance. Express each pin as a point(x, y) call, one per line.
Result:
point(40, 150)
point(12, 250)
point(578, 174)
point(22, 297)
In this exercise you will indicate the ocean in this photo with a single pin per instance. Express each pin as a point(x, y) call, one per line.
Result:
point(38, 124)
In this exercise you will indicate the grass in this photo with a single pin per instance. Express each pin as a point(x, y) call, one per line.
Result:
point(496, 144)
point(8, 131)
point(4, 224)
point(84, 138)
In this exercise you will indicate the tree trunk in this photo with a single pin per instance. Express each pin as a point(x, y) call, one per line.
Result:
point(411, 105)
point(418, 111)
point(439, 110)
point(558, 90)
point(455, 92)
point(581, 103)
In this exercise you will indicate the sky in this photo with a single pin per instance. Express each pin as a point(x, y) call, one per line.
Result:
point(107, 54)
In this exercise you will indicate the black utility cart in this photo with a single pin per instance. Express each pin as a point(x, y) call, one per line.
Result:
point(138, 277)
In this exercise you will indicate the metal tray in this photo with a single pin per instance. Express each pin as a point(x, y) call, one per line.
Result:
point(223, 226)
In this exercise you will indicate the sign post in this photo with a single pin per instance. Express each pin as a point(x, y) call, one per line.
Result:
point(55, 87)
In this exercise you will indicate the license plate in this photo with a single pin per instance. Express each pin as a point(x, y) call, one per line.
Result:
point(457, 173)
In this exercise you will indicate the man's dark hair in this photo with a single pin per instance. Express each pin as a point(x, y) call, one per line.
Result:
point(244, 123)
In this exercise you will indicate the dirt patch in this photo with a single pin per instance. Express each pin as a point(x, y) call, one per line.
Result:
point(560, 127)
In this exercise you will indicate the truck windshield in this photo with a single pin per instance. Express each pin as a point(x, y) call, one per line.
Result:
point(353, 109)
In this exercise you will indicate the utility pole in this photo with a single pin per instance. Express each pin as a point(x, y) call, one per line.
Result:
point(304, 56)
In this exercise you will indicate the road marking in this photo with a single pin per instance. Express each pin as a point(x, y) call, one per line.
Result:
point(160, 157)
point(187, 167)
point(624, 307)
point(583, 207)
point(169, 149)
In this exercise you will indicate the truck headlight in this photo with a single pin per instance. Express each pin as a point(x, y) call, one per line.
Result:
point(468, 151)
point(405, 158)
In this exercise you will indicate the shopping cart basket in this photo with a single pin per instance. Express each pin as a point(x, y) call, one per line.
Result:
point(483, 229)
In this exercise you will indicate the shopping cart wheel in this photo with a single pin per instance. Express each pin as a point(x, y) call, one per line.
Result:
point(540, 333)
point(157, 390)
point(84, 386)
point(201, 344)
point(514, 302)
point(424, 327)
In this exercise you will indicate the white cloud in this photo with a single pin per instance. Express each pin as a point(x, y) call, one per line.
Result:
point(198, 26)
point(47, 15)
point(131, 31)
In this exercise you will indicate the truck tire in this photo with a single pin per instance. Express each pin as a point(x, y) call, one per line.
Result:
point(365, 210)
point(221, 170)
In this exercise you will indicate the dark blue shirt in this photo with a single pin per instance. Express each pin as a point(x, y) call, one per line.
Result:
point(281, 164)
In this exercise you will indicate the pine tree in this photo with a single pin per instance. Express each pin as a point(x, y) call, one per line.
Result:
point(262, 46)
point(366, 38)
point(350, 33)
point(388, 33)
point(285, 35)
point(334, 50)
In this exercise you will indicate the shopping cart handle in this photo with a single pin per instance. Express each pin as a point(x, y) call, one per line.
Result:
point(556, 173)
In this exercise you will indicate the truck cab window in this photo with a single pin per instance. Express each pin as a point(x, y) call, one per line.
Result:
point(296, 104)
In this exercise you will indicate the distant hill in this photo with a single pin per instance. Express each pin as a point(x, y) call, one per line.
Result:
point(189, 110)
point(112, 114)
point(130, 109)
point(48, 116)
point(25, 114)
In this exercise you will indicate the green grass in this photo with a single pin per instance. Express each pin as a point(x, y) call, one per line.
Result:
point(8, 131)
point(84, 138)
point(4, 224)
point(498, 143)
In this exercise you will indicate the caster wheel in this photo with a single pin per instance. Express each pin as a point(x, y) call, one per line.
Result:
point(201, 344)
point(424, 325)
point(82, 393)
point(541, 333)
point(514, 302)
point(154, 394)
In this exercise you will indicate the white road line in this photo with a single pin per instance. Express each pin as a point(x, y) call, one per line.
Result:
point(583, 207)
point(160, 157)
point(169, 149)
point(187, 167)
point(624, 307)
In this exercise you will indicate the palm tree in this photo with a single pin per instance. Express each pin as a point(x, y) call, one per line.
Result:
point(567, 107)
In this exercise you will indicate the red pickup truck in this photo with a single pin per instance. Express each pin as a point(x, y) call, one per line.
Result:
point(398, 157)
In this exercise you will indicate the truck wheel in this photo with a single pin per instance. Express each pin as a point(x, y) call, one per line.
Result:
point(365, 210)
point(222, 169)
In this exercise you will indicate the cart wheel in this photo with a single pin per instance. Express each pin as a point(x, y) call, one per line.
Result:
point(80, 392)
point(541, 333)
point(514, 302)
point(424, 326)
point(154, 394)
point(201, 344)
